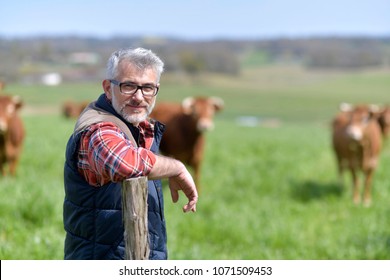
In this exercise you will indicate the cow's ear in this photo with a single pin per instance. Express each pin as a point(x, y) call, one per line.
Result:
point(17, 101)
point(375, 111)
point(345, 107)
point(218, 103)
point(187, 105)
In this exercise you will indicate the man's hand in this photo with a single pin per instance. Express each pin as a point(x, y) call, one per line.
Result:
point(184, 182)
point(179, 179)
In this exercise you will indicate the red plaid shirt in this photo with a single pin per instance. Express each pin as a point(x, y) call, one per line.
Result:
point(105, 155)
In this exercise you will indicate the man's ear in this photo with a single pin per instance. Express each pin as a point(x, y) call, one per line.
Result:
point(106, 84)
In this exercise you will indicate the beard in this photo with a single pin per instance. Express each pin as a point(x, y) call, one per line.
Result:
point(134, 118)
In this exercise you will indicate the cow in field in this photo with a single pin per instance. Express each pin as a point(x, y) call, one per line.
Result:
point(72, 109)
point(357, 141)
point(11, 133)
point(384, 121)
point(186, 124)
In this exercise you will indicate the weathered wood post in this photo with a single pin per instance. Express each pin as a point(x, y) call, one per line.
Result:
point(135, 218)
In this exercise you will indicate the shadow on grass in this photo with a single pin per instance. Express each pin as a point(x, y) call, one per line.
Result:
point(312, 190)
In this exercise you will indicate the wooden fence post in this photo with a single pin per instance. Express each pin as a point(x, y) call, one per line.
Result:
point(135, 218)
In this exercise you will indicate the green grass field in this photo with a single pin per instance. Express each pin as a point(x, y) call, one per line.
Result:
point(268, 191)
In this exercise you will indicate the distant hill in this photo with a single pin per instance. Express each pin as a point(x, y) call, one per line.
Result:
point(83, 58)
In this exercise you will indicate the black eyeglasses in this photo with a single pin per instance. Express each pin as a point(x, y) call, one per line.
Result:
point(129, 88)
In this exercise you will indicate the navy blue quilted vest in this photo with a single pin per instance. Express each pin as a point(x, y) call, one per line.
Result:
point(93, 215)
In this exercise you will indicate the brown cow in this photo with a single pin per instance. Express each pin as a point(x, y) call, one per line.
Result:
point(11, 133)
point(357, 143)
point(384, 121)
point(186, 123)
point(72, 109)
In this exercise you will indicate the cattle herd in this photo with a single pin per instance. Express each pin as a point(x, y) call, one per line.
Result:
point(358, 134)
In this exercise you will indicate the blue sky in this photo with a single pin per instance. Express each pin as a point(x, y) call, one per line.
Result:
point(202, 19)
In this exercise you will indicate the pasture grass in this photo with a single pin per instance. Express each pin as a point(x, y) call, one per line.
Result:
point(272, 193)
point(31, 204)
point(268, 191)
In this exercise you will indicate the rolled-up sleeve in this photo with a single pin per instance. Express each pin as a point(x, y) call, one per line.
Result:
point(106, 155)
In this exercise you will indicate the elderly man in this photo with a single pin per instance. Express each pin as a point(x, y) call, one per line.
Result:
point(114, 140)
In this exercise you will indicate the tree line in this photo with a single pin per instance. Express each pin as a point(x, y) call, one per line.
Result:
point(26, 57)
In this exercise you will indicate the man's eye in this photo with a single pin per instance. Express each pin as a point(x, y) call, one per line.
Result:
point(147, 88)
point(129, 86)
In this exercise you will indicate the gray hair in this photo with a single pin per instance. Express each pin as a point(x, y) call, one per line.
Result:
point(139, 57)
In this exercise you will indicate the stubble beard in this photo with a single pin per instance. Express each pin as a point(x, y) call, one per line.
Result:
point(135, 118)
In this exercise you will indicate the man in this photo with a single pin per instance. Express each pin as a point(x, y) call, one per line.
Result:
point(114, 140)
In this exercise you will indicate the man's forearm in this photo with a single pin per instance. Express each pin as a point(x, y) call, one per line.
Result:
point(165, 167)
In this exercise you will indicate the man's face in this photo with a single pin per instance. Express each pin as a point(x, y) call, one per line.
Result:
point(134, 108)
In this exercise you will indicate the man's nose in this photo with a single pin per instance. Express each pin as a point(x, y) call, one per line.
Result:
point(138, 95)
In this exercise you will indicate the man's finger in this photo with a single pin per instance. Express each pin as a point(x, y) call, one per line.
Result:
point(188, 207)
point(174, 195)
